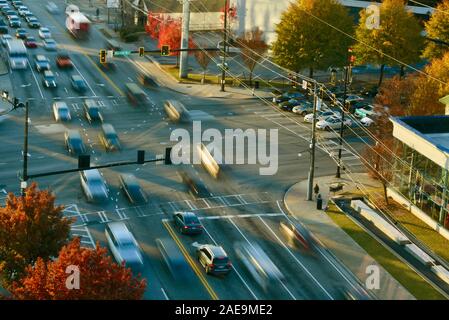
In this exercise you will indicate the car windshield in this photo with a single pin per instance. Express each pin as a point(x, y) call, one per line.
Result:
point(190, 219)
point(221, 260)
point(93, 111)
point(49, 78)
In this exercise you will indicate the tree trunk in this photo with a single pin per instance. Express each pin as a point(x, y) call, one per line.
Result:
point(311, 73)
point(382, 67)
point(384, 184)
point(402, 72)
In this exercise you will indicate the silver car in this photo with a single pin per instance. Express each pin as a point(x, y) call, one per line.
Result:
point(93, 185)
point(123, 245)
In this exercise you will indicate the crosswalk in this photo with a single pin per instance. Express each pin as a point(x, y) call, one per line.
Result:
point(83, 218)
point(325, 140)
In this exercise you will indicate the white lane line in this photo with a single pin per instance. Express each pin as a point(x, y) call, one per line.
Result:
point(165, 295)
point(323, 254)
point(296, 259)
point(81, 75)
point(238, 274)
point(246, 239)
point(35, 79)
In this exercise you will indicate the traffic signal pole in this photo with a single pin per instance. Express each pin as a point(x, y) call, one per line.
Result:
point(23, 184)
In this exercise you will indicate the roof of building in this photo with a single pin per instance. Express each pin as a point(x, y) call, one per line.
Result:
point(428, 135)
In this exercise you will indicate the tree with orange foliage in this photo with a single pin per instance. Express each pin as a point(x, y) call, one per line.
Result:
point(30, 227)
point(100, 278)
point(152, 27)
point(170, 34)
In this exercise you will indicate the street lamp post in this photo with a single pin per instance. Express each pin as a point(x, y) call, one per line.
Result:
point(223, 71)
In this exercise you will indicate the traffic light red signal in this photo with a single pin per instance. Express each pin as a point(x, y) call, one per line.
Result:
point(102, 56)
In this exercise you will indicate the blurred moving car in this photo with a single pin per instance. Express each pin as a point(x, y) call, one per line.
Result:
point(44, 33)
point(42, 63)
point(73, 142)
point(214, 259)
point(124, 246)
point(258, 264)
point(48, 79)
point(187, 223)
point(63, 61)
point(174, 260)
point(30, 42)
point(133, 191)
point(94, 186)
point(3, 27)
point(78, 83)
point(92, 111)
point(21, 33)
point(297, 235)
point(109, 137)
point(33, 23)
point(5, 38)
point(61, 111)
point(50, 45)
point(52, 7)
point(196, 186)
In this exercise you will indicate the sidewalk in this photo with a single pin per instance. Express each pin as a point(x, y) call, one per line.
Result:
point(354, 257)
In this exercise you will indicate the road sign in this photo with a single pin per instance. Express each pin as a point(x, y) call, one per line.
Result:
point(122, 53)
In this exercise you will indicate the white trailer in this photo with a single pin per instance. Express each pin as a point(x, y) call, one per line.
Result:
point(78, 25)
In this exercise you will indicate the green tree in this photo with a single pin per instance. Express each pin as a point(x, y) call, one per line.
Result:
point(303, 41)
point(437, 28)
point(398, 35)
point(30, 227)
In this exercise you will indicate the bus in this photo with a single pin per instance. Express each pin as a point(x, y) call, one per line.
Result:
point(17, 54)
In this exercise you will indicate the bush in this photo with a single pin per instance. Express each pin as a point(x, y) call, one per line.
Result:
point(131, 33)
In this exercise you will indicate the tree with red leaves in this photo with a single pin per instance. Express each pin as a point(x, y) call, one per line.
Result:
point(170, 34)
point(99, 277)
point(154, 22)
point(30, 227)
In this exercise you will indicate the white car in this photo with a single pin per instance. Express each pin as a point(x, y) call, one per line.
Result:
point(366, 122)
point(321, 115)
point(52, 7)
point(4, 38)
point(22, 10)
point(94, 186)
point(61, 111)
point(50, 45)
point(332, 123)
point(123, 245)
point(44, 33)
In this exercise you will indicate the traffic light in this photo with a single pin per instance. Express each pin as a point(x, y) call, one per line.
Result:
point(102, 56)
point(168, 155)
point(141, 51)
point(140, 156)
point(165, 50)
point(84, 161)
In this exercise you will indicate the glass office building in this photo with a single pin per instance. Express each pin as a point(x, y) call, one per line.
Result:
point(422, 174)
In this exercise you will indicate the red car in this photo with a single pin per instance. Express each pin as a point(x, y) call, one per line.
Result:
point(63, 61)
point(30, 42)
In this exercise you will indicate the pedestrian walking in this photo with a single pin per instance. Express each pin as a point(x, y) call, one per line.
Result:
point(316, 190)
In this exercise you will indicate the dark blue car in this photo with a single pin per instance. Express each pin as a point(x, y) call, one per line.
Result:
point(287, 96)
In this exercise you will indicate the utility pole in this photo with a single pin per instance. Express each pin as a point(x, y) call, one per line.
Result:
point(23, 184)
point(312, 144)
point(183, 66)
point(342, 113)
point(225, 39)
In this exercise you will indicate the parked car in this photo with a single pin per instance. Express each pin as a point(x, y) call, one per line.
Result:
point(109, 138)
point(33, 23)
point(48, 79)
point(303, 108)
point(132, 189)
point(332, 123)
point(124, 246)
point(187, 223)
point(44, 33)
point(73, 142)
point(351, 99)
point(17, 4)
point(321, 115)
point(367, 122)
point(42, 63)
point(21, 10)
point(367, 110)
point(50, 45)
point(63, 61)
point(61, 111)
point(196, 187)
point(214, 259)
point(287, 96)
point(288, 105)
point(30, 42)
point(258, 264)
point(92, 111)
point(94, 186)
point(78, 83)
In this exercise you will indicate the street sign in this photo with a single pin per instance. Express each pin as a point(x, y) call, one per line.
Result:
point(110, 54)
point(113, 4)
point(122, 53)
